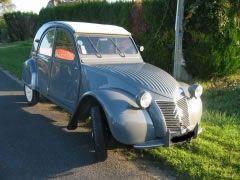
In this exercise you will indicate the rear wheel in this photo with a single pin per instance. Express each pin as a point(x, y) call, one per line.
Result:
point(99, 134)
point(32, 96)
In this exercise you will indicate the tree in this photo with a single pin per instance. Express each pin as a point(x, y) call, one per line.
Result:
point(53, 3)
point(6, 6)
point(5, 1)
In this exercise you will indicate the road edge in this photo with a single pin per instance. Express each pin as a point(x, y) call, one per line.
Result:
point(14, 78)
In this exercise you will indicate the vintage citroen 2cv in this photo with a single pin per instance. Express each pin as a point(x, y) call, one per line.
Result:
point(96, 70)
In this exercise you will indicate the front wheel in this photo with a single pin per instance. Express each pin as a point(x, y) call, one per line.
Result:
point(99, 134)
point(32, 96)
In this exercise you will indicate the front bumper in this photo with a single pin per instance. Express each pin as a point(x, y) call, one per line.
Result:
point(169, 139)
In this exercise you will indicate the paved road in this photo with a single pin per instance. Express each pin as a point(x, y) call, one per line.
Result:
point(34, 143)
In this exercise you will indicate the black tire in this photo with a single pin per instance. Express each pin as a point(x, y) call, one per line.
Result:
point(34, 99)
point(99, 134)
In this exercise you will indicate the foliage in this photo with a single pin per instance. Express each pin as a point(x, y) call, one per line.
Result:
point(2, 23)
point(6, 6)
point(3, 31)
point(211, 37)
point(64, 2)
point(21, 26)
point(5, 1)
point(100, 12)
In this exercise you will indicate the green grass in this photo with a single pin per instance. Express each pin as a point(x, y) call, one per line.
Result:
point(13, 55)
point(215, 154)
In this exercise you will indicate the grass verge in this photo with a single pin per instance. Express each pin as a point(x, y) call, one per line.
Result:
point(214, 155)
point(13, 55)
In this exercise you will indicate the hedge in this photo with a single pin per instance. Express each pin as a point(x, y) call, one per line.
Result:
point(211, 38)
point(21, 26)
point(3, 31)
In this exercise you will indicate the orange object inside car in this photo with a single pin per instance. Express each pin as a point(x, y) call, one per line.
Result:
point(65, 54)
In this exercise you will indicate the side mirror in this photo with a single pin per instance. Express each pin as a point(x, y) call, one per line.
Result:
point(141, 48)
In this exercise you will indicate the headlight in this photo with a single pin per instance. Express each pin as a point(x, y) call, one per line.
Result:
point(195, 90)
point(144, 99)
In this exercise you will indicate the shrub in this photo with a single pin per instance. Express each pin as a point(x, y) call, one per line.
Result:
point(21, 26)
point(211, 36)
point(2, 23)
point(3, 31)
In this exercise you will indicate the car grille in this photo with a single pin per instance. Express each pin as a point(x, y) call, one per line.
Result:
point(175, 114)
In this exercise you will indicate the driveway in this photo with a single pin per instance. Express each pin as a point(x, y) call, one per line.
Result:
point(34, 143)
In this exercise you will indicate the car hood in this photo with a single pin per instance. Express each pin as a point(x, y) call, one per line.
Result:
point(131, 78)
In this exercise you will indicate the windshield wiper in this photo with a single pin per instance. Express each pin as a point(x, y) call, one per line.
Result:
point(97, 52)
point(120, 52)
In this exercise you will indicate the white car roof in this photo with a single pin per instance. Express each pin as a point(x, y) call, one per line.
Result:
point(92, 28)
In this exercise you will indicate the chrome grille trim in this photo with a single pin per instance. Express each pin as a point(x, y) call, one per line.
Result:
point(172, 119)
point(182, 103)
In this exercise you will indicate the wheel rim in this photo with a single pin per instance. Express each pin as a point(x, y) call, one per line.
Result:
point(28, 93)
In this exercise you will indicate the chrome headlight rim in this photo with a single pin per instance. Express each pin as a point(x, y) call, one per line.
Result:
point(181, 91)
point(195, 90)
point(144, 99)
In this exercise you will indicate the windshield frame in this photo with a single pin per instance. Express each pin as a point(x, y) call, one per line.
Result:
point(108, 58)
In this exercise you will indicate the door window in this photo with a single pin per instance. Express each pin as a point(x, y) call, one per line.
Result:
point(64, 47)
point(47, 43)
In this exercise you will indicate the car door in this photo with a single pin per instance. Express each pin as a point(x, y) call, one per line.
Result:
point(44, 58)
point(65, 71)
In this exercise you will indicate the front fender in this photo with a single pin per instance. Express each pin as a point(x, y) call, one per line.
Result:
point(195, 111)
point(29, 73)
point(127, 122)
point(194, 106)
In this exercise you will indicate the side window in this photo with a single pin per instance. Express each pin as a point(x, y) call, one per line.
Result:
point(64, 46)
point(47, 43)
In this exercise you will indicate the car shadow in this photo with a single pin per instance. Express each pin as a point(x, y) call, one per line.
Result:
point(31, 145)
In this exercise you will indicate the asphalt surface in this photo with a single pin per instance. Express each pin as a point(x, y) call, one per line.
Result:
point(35, 144)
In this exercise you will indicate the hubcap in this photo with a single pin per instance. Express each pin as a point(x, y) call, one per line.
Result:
point(28, 93)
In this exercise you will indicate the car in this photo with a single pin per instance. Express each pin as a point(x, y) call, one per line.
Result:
point(96, 70)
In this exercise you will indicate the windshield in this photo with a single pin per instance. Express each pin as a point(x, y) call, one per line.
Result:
point(98, 45)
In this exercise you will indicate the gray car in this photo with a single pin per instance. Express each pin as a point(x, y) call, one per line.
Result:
point(96, 70)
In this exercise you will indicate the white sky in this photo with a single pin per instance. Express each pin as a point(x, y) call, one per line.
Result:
point(30, 5)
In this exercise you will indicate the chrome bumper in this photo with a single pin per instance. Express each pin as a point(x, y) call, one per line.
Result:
point(169, 139)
